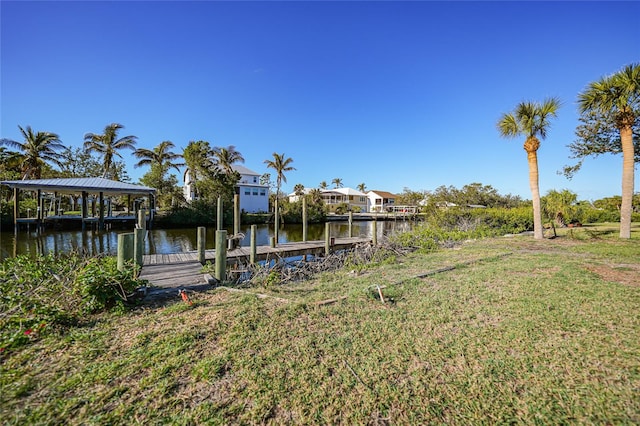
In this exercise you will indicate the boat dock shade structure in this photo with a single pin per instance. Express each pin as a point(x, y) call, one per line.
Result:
point(78, 186)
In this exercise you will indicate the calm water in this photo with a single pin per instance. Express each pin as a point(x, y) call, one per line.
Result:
point(175, 240)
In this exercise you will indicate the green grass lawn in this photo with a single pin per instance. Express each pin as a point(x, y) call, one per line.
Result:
point(519, 331)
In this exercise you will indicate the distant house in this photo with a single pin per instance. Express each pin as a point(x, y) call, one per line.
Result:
point(356, 201)
point(381, 201)
point(254, 197)
point(293, 197)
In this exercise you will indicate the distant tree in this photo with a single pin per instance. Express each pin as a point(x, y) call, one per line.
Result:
point(298, 189)
point(76, 162)
point(323, 185)
point(37, 150)
point(315, 195)
point(227, 157)
point(532, 120)
point(337, 183)
point(161, 156)
point(10, 164)
point(409, 197)
point(281, 165)
point(107, 145)
point(362, 187)
point(617, 98)
point(208, 177)
point(609, 203)
point(160, 160)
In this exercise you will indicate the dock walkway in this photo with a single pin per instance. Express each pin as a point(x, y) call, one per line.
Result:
point(183, 269)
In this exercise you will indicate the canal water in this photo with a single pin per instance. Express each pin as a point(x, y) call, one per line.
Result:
point(162, 241)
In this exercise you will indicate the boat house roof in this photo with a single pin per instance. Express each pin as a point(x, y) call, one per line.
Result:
point(76, 185)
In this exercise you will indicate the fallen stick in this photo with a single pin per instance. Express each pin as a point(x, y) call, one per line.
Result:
point(329, 301)
point(258, 295)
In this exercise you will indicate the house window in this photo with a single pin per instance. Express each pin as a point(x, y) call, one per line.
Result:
point(255, 191)
point(255, 179)
point(263, 192)
point(247, 191)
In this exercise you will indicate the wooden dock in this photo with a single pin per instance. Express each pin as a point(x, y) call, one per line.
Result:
point(183, 269)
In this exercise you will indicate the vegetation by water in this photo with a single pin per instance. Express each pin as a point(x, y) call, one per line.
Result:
point(496, 330)
point(47, 295)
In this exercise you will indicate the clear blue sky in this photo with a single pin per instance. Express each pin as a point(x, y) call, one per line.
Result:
point(390, 94)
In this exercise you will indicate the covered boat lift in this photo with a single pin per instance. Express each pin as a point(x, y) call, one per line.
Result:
point(82, 186)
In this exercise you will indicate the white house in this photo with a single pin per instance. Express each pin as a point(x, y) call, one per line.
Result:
point(356, 200)
point(254, 197)
point(293, 197)
point(381, 201)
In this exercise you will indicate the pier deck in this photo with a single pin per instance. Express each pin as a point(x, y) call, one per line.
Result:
point(183, 269)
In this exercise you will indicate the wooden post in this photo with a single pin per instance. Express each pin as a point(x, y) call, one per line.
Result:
point(202, 239)
point(304, 219)
point(350, 224)
point(83, 209)
point(138, 245)
point(16, 210)
point(221, 255)
point(236, 214)
point(101, 210)
point(142, 219)
point(125, 249)
point(374, 230)
point(40, 215)
point(152, 210)
point(252, 253)
point(276, 222)
point(272, 242)
point(219, 219)
point(327, 239)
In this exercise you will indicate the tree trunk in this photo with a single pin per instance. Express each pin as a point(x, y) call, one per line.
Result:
point(626, 137)
point(531, 146)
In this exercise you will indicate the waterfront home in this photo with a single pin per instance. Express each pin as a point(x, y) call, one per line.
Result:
point(355, 200)
point(254, 196)
point(381, 201)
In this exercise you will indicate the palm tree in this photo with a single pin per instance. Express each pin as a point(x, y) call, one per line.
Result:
point(108, 144)
point(298, 189)
point(323, 185)
point(37, 150)
point(362, 187)
point(227, 157)
point(280, 165)
point(532, 120)
point(559, 206)
point(160, 156)
point(337, 183)
point(618, 96)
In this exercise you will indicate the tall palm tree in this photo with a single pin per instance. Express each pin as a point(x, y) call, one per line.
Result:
point(227, 157)
point(618, 96)
point(38, 149)
point(159, 156)
point(362, 187)
point(532, 120)
point(323, 185)
point(108, 144)
point(281, 165)
point(337, 183)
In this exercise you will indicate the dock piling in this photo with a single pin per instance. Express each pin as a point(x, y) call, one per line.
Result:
point(221, 255)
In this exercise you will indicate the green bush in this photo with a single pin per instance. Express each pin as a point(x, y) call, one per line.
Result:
point(52, 292)
point(448, 227)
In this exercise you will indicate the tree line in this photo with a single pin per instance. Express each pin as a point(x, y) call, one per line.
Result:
point(609, 123)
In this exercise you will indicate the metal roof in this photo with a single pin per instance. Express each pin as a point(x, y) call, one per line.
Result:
point(75, 185)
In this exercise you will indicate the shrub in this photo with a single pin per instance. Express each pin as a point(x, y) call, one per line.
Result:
point(52, 292)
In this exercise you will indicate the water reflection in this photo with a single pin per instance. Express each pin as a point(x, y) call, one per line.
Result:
point(164, 241)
